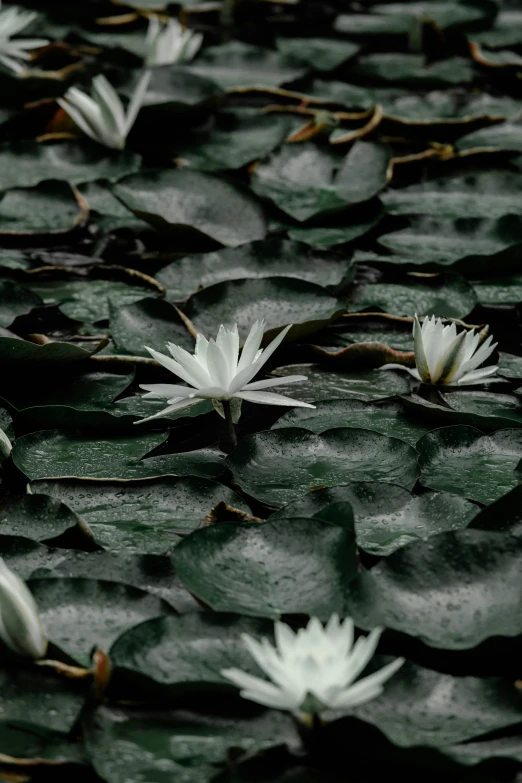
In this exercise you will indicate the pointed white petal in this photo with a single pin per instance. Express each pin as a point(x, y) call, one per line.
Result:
point(165, 390)
point(273, 382)
point(266, 398)
point(251, 346)
point(136, 101)
point(411, 370)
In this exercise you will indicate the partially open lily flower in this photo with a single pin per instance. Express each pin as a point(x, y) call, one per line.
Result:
point(169, 44)
point(103, 117)
point(314, 669)
point(217, 372)
point(12, 21)
point(444, 357)
point(21, 628)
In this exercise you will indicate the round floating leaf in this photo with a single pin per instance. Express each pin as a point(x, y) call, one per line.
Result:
point(26, 163)
point(453, 591)
point(236, 141)
point(189, 650)
point(182, 746)
point(267, 258)
point(140, 516)
point(153, 573)
point(507, 136)
point(322, 384)
point(321, 54)
point(504, 515)
point(107, 212)
point(475, 243)
point(80, 614)
point(446, 296)
point(40, 518)
point(172, 90)
point(420, 707)
point(387, 517)
point(481, 194)
point(75, 386)
point(412, 70)
point(299, 566)
point(462, 460)
point(197, 203)
point(387, 418)
point(151, 322)
point(49, 208)
point(15, 300)
point(13, 350)
point(32, 699)
point(352, 228)
point(55, 454)
point(509, 365)
point(278, 300)
point(304, 180)
point(484, 410)
point(499, 290)
point(88, 300)
point(237, 64)
point(278, 466)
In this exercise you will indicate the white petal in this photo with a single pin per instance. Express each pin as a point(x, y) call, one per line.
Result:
point(192, 366)
point(266, 398)
point(251, 346)
point(172, 365)
point(165, 390)
point(411, 370)
point(273, 382)
point(136, 101)
point(179, 405)
point(477, 376)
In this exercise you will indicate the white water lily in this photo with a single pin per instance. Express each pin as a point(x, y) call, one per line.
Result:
point(444, 357)
point(103, 117)
point(12, 21)
point(217, 372)
point(170, 43)
point(314, 669)
point(21, 628)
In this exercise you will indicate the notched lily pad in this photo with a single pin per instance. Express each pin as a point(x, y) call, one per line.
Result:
point(52, 207)
point(277, 466)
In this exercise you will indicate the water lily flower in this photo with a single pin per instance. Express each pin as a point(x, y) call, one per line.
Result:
point(314, 669)
point(21, 628)
point(444, 357)
point(216, 372)
point(103, 116)
point(12, 21)
point(170, 43)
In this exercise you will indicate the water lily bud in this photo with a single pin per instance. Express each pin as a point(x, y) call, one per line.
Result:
point(21, 628)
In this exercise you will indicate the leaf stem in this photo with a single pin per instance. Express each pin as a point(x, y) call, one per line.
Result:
point(230, 424)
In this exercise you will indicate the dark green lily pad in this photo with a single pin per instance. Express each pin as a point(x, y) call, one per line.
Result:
point(306, 181)
point(75, 455)
point(445, 296)
point(280, 465)
point(279, 300)
point(283, 567)
point(49, 208)
point(266, 258)
point(149, 321)
point(462, 460)
point(387, 517)
point(140, 516)
point(15, 300)
point(388, 418)
point(26, 163)
point(415, 590)
point(322, 384)
point(200, 204)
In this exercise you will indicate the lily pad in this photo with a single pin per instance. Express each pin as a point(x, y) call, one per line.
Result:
point(140, 516)
point(388, 418)
point(278, 466)
point(462, 460)
point(278, 300)
point(26, 163)
point(49, 208)
point(81, 614)
point(322, 384)
point(76, 455)
point(196, 203)
point(284, 567)
point(414, 590)
point(305, 181)
point(267, 258)
point(387, 517)
point(149, 321)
